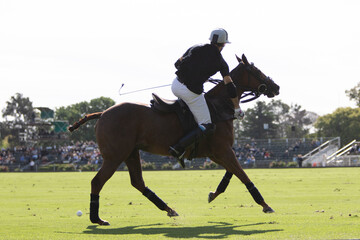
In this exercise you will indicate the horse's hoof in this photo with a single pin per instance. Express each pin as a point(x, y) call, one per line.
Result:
point(103, 223)
point(268, 210)
point(211, 197)
point(172, 213)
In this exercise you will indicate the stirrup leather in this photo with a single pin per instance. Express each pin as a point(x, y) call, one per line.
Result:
point(178, 155)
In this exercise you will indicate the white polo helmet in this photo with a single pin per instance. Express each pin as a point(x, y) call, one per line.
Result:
point(219, 35)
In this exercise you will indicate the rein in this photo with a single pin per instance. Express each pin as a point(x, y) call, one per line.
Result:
point(255, 94)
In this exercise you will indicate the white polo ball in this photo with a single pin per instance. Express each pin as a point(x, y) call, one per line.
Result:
point(79, 213)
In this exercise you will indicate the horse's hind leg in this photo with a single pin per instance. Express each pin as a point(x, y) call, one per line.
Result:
point(106, 171)
point(134, 167)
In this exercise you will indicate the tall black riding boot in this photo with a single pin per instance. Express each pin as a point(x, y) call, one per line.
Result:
point(178, 150)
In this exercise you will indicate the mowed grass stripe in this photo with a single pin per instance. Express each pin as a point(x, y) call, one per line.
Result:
point(309, 204)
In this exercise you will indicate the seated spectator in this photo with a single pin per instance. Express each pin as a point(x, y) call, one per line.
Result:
point(296, 146)
point(248, 159)
point(286, 154)
point(266, 155)
point(354, 149)
point(44, 159)
point(32, 165)
point(206, 162)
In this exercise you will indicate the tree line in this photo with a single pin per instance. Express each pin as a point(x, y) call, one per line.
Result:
point(20, 118)
point(274, 119)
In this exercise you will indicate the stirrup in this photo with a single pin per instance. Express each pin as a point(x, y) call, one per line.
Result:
point(178, 155)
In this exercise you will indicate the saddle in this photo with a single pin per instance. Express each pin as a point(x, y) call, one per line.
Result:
point(220, 110)
point(179, 107)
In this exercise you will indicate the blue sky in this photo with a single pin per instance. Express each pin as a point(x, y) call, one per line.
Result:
point(62, 52)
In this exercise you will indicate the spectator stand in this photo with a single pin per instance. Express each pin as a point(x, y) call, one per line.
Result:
point(76, 154)
point(261, 152)
point(250, 153)
point(49, 128)
point(347, 156)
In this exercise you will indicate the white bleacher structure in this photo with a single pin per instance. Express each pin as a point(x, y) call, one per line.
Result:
point(329, 154)
point(317, 156)
point(347, 156)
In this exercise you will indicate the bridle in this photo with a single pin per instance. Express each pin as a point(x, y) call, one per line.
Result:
point(262, 88)
point(254, 93)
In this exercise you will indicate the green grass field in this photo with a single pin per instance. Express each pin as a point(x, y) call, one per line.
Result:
point(309, 204)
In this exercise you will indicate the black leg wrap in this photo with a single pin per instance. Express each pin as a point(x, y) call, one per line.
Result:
point(254, 193)
point(154, 199)
point(94, 208)
point(224, 182)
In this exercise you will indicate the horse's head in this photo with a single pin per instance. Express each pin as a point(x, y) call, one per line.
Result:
point(247, 77)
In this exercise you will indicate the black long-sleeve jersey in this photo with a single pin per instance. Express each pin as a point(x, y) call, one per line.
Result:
point(198, 64)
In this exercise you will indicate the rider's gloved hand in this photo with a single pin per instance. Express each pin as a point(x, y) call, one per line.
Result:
point(239, 114)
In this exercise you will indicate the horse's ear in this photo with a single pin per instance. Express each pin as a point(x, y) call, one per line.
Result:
point(244, 59)
point(239, 59)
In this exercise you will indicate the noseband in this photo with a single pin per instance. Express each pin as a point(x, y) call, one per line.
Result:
point(262, 88)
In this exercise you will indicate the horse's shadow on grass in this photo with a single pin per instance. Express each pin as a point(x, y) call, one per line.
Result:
point(215, 230)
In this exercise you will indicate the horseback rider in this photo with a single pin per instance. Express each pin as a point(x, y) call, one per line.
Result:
point(194, 68)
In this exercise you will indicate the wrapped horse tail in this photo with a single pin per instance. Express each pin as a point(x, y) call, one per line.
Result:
point(83, 120)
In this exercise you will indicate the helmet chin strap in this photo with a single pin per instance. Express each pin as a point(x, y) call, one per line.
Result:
point(214, 39)
point(219, 36)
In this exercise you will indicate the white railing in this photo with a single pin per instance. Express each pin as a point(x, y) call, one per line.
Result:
point(317, 154)
point(341, 151)
point(339, 158)
point(345, 161)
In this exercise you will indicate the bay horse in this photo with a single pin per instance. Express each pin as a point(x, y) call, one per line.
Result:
point(124, 129)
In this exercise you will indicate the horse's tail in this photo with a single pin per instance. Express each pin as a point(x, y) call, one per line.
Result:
point(83, 120)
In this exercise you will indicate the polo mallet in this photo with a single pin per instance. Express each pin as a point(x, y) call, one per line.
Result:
point(140, 90)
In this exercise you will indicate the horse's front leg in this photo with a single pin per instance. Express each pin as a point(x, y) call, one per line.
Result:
point(221, 187)
point(134, 166)
point(228, 160)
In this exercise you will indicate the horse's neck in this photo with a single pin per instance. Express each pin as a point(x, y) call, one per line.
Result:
point(217, 91)
point(238, 76)
point(219, 103)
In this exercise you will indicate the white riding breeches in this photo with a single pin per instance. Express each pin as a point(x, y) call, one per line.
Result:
point(196, 103)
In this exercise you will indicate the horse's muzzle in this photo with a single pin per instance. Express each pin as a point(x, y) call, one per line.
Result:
point(272, 94)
